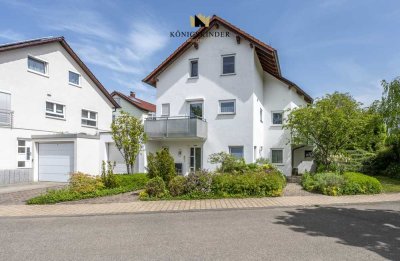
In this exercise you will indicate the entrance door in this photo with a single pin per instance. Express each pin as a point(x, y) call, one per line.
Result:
point(24, 154)
point(195, 159)
point(196, 110)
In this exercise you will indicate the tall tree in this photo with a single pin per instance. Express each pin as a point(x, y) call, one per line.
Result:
point(390, 108)
point(129, 137)
point(333, 124)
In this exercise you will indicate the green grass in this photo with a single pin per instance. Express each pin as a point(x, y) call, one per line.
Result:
point(389, 185)
point(126, 183)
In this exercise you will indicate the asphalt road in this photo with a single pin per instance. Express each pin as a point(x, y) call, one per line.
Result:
point(362, 232)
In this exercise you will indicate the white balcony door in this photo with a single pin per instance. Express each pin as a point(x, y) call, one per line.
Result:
point(196, 110)
point(195, 159)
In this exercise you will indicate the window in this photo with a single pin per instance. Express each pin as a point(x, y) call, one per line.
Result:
point(261, 115)
point(194, 68)
point(55, 110)
point(277, 118)
point(228, 64)
point(89, 118)
point(165, 109)
point(308, 153)
point(37, 65)
point(277, 156)
point(196, 110)
point(227, 107)
point(236, 151)
point(5, 109)
point(74, 78)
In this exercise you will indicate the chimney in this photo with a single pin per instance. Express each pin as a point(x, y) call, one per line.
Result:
point(132, 94)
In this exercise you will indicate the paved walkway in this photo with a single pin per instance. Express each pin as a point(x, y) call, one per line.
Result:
point(17, 194)
point(188, 205)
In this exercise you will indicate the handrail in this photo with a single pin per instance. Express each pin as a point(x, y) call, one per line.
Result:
point(174, 118)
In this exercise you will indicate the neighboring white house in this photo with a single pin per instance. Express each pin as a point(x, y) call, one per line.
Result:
point(52, 112)
point(222, 90)
point(140, 109)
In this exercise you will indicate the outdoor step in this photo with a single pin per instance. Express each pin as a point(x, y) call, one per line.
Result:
point(294, 179)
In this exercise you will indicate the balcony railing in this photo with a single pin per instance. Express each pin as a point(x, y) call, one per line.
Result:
point(180, 127)
point(6, 118)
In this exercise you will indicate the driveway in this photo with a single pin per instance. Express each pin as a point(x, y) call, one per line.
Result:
point(17, 194)
point(357, 232)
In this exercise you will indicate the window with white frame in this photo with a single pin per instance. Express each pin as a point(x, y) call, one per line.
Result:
point(55, 110)
point(37, 65)
point(194, 68)
point(89, 118)
point(277, 118)
point(236, 151)
point(277, 156)
point(261, 115)
point(228, 64)
point(227, 107)
point(165, 109)
point(74, 78)
point(5, 109)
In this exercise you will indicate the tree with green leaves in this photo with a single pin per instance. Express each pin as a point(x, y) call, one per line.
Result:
point(129, 137)
point(332, 124)
point(390, 108)
point(161, 164)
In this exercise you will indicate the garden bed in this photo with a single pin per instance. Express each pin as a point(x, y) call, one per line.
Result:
point(335, 184)
point(125, 183)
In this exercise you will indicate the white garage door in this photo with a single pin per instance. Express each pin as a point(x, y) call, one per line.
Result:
point(56, 161)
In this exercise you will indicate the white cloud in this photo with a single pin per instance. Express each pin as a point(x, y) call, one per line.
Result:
point(11, 35)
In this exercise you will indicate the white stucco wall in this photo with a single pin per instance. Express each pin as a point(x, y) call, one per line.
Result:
point(30, 91)
point(251, 87)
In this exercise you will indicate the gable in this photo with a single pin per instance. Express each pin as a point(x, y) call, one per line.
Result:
point(73, 55)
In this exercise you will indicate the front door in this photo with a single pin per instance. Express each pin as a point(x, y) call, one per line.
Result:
point(196, 110)
point(195, 159)
point(24, 154)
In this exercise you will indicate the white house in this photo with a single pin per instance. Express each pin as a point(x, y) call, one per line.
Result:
point(223, 90)
point(140, 109)
point(52, 112)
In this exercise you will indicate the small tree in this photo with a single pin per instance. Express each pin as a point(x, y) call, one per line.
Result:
point(390, 109)
point(332, 124)
point(129, 137)
point(161, 164)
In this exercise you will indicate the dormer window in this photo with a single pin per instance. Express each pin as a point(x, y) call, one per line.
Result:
point(194, 68)
point(37, 66)
point(228, 64)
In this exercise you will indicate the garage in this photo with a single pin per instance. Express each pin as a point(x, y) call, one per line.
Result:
point(56, 161)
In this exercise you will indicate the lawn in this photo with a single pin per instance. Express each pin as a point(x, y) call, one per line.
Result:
point(125, 183)
point(389, 185)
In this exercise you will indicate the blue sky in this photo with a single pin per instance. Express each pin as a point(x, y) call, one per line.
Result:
point(323, 46)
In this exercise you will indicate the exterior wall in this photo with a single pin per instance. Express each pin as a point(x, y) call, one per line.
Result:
point(14, 176)
point(175, 87)
point(129, 108)
point(30, 91)
point(278, 97)
point(301, 162)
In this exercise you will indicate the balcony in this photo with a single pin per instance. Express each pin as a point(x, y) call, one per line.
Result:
point(6, 118)
point(176, 128)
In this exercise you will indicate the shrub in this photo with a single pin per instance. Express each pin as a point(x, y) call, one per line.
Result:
point(198, 182)
point(107, 174)
point(155, 187)
point(177, 186)
point(83, 183)
point(334, 184)
point(357, 183)
point(250, 184)
point(393, 170)
point(161, 164)
point(377, 165)
point(262, 161)
point(228, 163)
